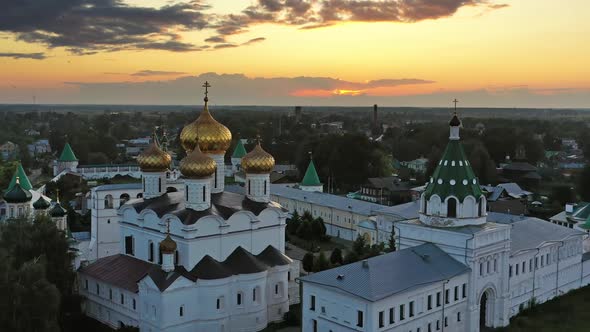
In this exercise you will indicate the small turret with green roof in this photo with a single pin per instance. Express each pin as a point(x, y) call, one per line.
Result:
point(239, 151)
point(311, 180)
point(67, 154)
point(453, 196)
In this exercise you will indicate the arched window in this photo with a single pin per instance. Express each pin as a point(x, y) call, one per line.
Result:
point(151, 251)
point(480, 207)
point(171, 189)
point(108, 202)
point(452, 208)
point(140, 195)
point(239, 298)
point(123, 198)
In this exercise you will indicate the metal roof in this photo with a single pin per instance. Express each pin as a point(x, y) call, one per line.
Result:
point(392, 273)
point(121, 186)
point(325, 199)
point(403, 211)
point(533, 232)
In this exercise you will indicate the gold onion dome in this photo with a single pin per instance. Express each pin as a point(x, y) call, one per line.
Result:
point(154, 159)
point(213, 137)
point(197, 164)
point(258, 161)
point(168, 246)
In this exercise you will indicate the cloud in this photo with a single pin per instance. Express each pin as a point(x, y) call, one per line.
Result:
point(254, 40)
point(148, 72)
point(35, 56)
point(88, 26)
point(85, 27)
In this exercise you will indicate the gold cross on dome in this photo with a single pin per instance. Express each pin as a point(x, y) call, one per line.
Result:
point(206, 85)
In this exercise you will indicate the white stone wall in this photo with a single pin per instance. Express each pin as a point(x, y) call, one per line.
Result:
point(218, 185)
point(258, 187)
point(198, 193)
point(338, 311)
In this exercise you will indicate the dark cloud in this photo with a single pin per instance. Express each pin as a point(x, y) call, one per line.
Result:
point(254, 40)
point(86, 27)
point(35, 56)
point(157, 73)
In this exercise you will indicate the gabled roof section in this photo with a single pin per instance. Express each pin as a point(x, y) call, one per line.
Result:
point(453, 175)
point(271, 256)
point(119, 270)
point(22, 176)
point(311, 177)
point(67, 154)
point(242, 261)
point(239, 151)
point(392, 273)
point(208, 268)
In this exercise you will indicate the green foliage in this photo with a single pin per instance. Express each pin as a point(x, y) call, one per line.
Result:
point(307, 262)
point(321, 263)
point(336, 257)
point(391, 245)
point(360, 246)
point(35, 264)
point(562, 193)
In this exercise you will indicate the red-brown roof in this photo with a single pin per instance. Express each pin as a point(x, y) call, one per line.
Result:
point(119, 270)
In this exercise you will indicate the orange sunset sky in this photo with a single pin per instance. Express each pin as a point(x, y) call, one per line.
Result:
point(525, 53)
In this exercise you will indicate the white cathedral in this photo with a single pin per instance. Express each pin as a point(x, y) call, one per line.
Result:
point(455, 269)
point(196, 258)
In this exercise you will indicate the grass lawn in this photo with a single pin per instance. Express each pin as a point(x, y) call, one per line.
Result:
point(568, 313)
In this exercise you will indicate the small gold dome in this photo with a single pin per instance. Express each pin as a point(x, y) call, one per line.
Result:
point(258, 161)
point(168, 246)
point(213, 137)
point(154, 159)
point(197, 164)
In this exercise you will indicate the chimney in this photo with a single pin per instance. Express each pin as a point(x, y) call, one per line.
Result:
point(365, 263)
point(569, 207)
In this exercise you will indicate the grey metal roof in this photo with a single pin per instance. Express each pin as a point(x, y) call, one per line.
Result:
point(403, 211)
point(325, 199)
point(533, 232)
point(121, 186)
point(391, 273)
point(470, 229)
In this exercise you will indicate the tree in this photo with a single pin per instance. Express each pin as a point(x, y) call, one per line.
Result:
point(351, 257)
point(583, 184)
point(391, 245)
point(321, 263)
point(483, 165)
point(360, 246)
point(307, 262)
point(336, 256)
point(318, 229)
point(304, 230)
point(562, 194)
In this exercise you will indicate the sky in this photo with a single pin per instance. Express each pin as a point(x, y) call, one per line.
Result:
point(485, 53)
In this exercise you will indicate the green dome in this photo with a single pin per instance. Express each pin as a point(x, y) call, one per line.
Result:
point(18, 194)
point(58, 210)
point(453, 176)
point(41, 204)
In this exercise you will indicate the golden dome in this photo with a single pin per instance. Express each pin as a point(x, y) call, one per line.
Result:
point(154, 159)
point(197, 164)
point(213, 137)
point(168, 246)
point(258, 161)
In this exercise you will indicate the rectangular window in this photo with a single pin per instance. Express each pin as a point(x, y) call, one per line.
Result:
point(542, 261)
point(447, 297)
point(218, 306)
point(315, 325)
point(391, 315)
point(265, 187)
point(204, 193)
point(464, 291)
point(438, 325)
point(438, 299)
point(249, 187)
point(110, 294)
point(181, 311)
point(239, 299)
point(159, 185)
point(412, 309)
point(381, 319)
point(134, 304)
point(359, 318)
point(517, 268)
point(254, 295)
point(429, 327)
point(510, 271)
point(277, 289)
point(429, 302)
point(129, 245)
point(97, 289)
point(536, 262)
point(530, 265)
point(488, 263)
point(456, 293)
point(459, 316)
point(547, 260)
point(122, 298)
point(86, 284)
point(523, 267)
point(312, 303)
point(402, 312)
point(495, 265)
point(480, 269)
point(446, 321)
